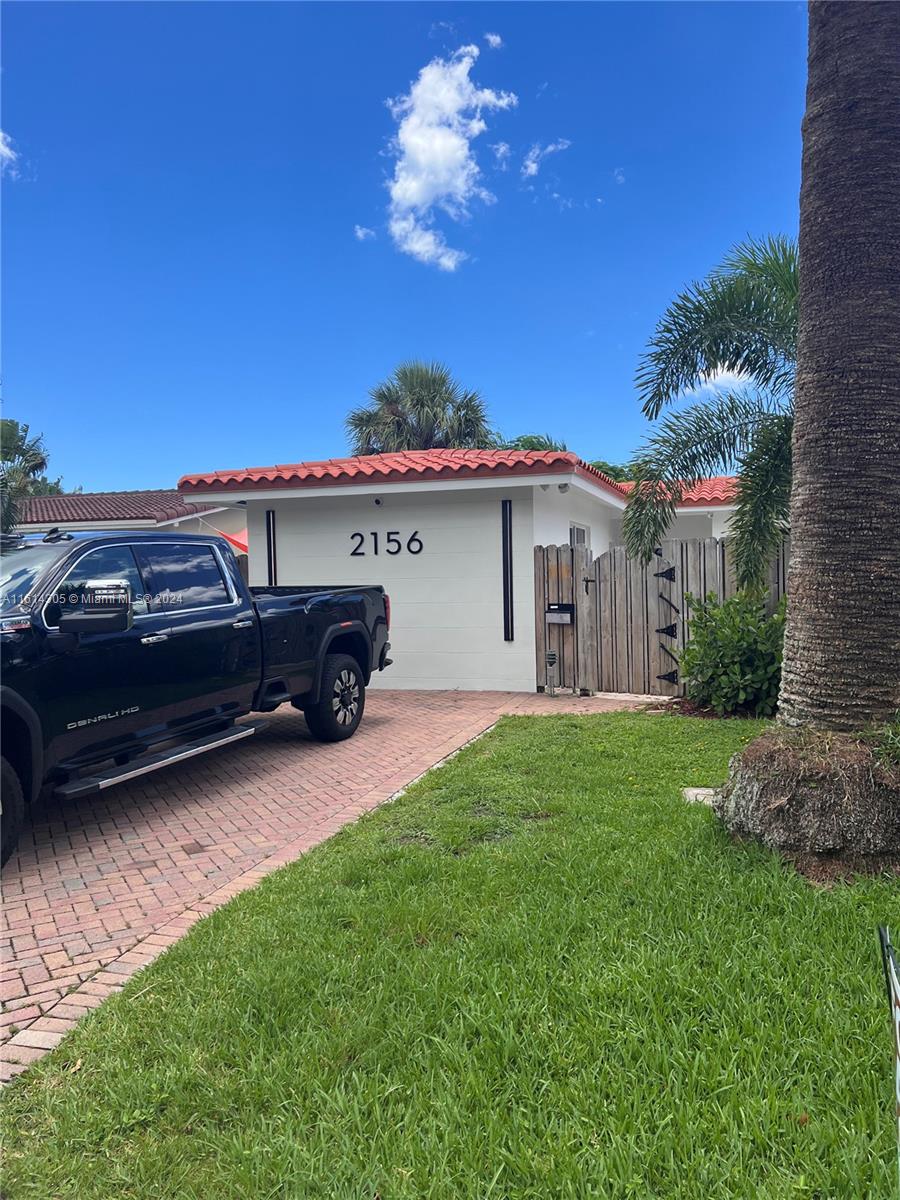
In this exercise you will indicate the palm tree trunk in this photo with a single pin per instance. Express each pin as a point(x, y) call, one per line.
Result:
point(808, 787)
point(842, 640)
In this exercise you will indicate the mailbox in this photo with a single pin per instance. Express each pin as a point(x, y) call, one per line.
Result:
point(560, 614)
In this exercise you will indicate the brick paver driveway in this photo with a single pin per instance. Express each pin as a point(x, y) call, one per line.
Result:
point(102, 885)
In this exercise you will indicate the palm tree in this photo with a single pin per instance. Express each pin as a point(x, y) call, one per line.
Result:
point(842, 654)
point(734, 335)
point(809, 785)
point(23, 460)
point(420, 407)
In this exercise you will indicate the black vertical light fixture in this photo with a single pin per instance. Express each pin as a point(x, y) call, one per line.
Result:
point(271, 556)
point(507, 556)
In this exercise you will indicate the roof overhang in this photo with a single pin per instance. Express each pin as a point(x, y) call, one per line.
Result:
point(131, 523)
point(709, 510)
point(44, 526)
point(569, 475)
point(580, 481)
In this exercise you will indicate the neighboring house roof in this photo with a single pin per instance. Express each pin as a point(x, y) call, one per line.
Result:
point(720, 489)
point(406, 467)
point(101, 507)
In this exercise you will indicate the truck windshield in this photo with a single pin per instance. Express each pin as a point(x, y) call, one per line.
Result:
point(21, 566)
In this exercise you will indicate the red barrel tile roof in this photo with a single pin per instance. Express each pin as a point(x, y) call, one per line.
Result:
point(160, 505)
point(719, 489)
point(406, 467)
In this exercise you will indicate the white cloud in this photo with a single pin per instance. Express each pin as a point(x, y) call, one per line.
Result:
point(8, 156)
point(619, 175)
point(442, 28)
point(362, 233)
point(718, 381)
point(502, 152)
point(436, 170)
point(531, 164)
point(494, 40)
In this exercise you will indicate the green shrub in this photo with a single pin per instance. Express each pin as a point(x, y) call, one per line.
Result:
point(733, 660)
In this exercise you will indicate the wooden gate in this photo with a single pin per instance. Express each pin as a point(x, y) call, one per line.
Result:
point(630, 620)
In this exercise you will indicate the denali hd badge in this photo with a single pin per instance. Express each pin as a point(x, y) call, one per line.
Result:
point(123, 712)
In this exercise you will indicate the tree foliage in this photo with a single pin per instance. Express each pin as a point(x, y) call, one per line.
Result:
point(620, 472)
point(23, 465)
point(531, 441)
point(419, 407)
point(738, 327)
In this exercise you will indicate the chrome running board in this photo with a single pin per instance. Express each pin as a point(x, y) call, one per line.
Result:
point(86, 784)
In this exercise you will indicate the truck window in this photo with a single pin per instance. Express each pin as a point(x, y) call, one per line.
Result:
point(186, 576)
point(106, 562)
point(21, 566)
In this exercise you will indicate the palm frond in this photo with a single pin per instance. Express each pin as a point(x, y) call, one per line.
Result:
point(705, 439)
point(13, 490)
point(20, 447)
point(466, 423)
point(741, 319)
point(366, 431)
point(761, 517)
point(23, 461)
point(773, 261)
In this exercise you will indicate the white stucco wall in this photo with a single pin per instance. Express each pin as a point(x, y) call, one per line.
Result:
point(228, 520)
point(446, 602)
point(555, 510)
point(688, 525)
point(698, 525)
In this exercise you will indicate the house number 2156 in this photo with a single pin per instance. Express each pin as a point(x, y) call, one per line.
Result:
point(392, 543)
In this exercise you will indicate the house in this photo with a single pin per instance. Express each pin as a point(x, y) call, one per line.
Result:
point(155, 509)
point(450, 534)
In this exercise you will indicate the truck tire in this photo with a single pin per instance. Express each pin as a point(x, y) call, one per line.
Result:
point(12, 810)
point(342, 698)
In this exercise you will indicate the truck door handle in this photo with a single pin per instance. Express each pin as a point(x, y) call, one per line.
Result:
point(153, 638)
point(242, 624)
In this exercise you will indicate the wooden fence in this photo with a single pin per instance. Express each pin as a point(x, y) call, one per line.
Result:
point(629, 621)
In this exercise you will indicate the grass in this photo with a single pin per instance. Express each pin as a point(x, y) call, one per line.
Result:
point(538, 974)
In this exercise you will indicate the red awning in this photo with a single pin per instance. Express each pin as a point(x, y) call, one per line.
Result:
point(238, 540)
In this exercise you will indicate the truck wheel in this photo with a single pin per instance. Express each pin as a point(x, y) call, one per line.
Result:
point(342, 699)
point(12, 810)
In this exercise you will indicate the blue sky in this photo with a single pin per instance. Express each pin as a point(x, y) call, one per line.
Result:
point(183, 285)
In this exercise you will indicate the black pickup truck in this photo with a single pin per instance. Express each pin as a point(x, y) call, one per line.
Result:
point(124, 652)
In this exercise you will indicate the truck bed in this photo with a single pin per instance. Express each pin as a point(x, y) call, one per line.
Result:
point(290, 648)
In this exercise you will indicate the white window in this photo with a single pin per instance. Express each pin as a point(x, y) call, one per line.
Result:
point(579, 535)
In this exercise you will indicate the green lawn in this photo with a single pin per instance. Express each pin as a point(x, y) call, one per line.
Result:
point(538, 974)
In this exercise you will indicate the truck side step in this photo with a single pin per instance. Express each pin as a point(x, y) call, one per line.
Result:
point(86, 784)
